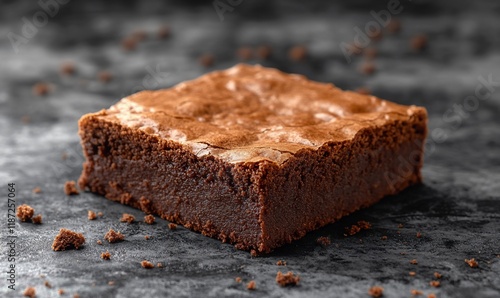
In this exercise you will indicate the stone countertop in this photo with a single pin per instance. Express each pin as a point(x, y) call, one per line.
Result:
point(456, 210)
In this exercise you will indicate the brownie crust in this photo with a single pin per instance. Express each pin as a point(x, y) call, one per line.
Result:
point(253, 192)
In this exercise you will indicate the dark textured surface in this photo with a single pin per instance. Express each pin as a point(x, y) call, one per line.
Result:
point(457, 209)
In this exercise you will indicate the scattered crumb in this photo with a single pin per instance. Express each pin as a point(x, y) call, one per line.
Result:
point(129, 44)
point(47, 284)
point(253, 253)
point(287, 279)
point(70, 188)
point(68, 69)
point(105, 76)
point(394, 26)
point(25, 212)
point(435, 283)
point(383, 237)
point(163, 32)
point(37, 219)
point(363, 90)
point(41, 89)
point(238, 279)
point(30, 292)
point(400, 226)
point(297, 53)
point(76, 296)
point(419, 42)
point(106, 255)
point(67, 239)
point(367, 68)
point(264, 52)
point(99, 214)
point(99, 242)
point(111, 283)
point(472, 263)
point(159, 265)
point(112, 236)
point(91, 215)
point(128, 218)
point(37, 190)
point(60, 292)
point(419, 235)
point(251, 285)
point(414, 262)
point(147, 237)
point(431, 295)
point(149, 219)
point(438, 275)
point(376, 291)
point(353, 230)
point(172, 226)
point(147, 264)
point(413, 273)
point(370, 53)
point(281, 263)
point(207, 60)
point(364, 225)
point(244, 53)
point(323, 241)
point(416, 292)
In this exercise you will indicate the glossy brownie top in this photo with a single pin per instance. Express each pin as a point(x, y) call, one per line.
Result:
point(252, 113)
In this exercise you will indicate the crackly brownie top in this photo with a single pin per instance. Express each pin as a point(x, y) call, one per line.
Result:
point(251, 113)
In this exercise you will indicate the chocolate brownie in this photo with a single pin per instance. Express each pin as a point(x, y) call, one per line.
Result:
point(251, 155)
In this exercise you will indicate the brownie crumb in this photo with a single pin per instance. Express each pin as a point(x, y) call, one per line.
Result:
point(147, 264)
point(238, 279)
point(163, 32)
point(376, 291)
point(129, 44)
point(76, 296)
point(251, 285)
point(412, 273)
point(264, 52)
point(297, 53)
point(112, 236)
point(438, 275)
point(394, 26)
point(147, 237)
point(25, 212)
point(353, 230)
point(416, 292)
point(99, 242)
point(244, 53)
point(159, 265)
point(70, 188)
point(323, 241)
point(67, 239)
point(91, 215)
point(364, 225)
point(419, 42)
point(37, 190)
point(253, 253)
point(172, 226)
point(435, 283)
point(30, 292)
point(106, 255)
point(60, 292)
point(206, 60)
point(149, 219)
point(37, 219)
point(105, 76)
point(281, 263)
point(472, 262)
point(383, 237)
point(414, 262)
point(128, 218)
point(41, 89)
point(400, 226)
point(47, 284)
point(431, 295)
point(367, 68)
point(111, 283)
point(419, 235)
point(99, 214)
point(68, 69)
point(287, 279)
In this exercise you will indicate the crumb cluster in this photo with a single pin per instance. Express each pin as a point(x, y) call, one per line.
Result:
point(128, 218)
point(112, 236)
point(67, 239)
point(287, 279)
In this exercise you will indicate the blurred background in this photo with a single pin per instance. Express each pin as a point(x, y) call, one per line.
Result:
point(61, 59)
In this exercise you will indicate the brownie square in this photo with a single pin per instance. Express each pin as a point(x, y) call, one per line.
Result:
point(251, 155)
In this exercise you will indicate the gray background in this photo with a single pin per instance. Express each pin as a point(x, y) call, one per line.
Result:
point(456, 209)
